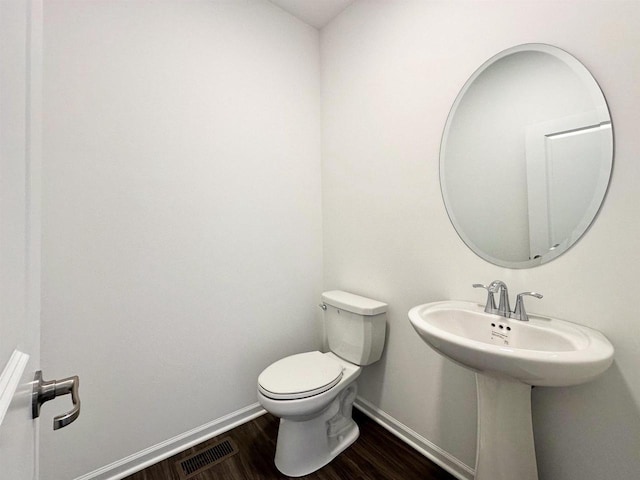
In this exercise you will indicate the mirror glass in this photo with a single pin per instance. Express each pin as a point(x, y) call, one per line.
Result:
point(526, 156)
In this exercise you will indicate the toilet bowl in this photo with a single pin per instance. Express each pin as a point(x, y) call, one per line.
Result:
point(313, 392)
point(315, 428)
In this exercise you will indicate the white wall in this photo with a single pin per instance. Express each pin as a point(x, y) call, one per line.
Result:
point(390, 71)
point(181, 214)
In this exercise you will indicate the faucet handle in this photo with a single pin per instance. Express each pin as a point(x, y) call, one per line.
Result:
point(519, 313)
point(490, 307)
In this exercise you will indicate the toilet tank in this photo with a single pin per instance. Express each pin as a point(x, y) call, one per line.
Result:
point(355, 326)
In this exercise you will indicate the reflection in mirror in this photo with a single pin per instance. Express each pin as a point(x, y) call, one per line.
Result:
point(526, 156)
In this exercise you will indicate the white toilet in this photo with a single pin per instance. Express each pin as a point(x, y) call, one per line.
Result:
point(313, 392)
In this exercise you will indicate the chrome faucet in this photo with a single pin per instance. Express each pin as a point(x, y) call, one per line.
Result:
point(504, 309)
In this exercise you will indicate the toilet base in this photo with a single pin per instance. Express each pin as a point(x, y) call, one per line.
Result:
point(307, 445)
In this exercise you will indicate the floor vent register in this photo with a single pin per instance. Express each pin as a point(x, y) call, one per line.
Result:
point(206, 458)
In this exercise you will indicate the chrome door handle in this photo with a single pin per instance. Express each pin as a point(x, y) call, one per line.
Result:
point(45, 391)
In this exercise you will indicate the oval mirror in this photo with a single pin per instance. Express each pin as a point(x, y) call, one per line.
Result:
point(526, 156)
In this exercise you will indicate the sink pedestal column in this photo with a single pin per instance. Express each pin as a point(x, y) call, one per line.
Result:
point(505, 449)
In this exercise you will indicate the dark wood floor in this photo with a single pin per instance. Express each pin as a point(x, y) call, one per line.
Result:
point(377, 454)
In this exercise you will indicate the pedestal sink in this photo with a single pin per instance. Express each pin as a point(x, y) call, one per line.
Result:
point(508, 357)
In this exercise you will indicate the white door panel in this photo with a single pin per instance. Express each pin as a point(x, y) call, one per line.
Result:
point(20, 83)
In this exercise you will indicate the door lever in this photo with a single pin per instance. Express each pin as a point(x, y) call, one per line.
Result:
point(44, 391)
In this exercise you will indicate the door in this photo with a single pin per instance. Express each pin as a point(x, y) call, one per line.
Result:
point(20, 81)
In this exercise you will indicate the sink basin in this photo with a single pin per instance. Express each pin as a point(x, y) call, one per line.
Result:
point(543, 351)
point(508, 357)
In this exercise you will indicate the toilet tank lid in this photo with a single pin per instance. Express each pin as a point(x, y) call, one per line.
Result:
point(353, 303)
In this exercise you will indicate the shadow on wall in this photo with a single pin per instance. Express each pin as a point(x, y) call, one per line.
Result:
point(457, 387)
point(373, 375)
point(564, 422)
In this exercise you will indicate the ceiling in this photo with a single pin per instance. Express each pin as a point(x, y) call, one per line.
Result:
point(316, 13)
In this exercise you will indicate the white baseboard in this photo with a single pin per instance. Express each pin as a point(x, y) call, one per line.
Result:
point(138, 461)
point(434, 453)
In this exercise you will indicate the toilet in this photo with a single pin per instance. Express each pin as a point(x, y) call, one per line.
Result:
point(312, 393)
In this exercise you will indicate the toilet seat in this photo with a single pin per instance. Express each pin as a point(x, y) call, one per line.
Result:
point(300, 376)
